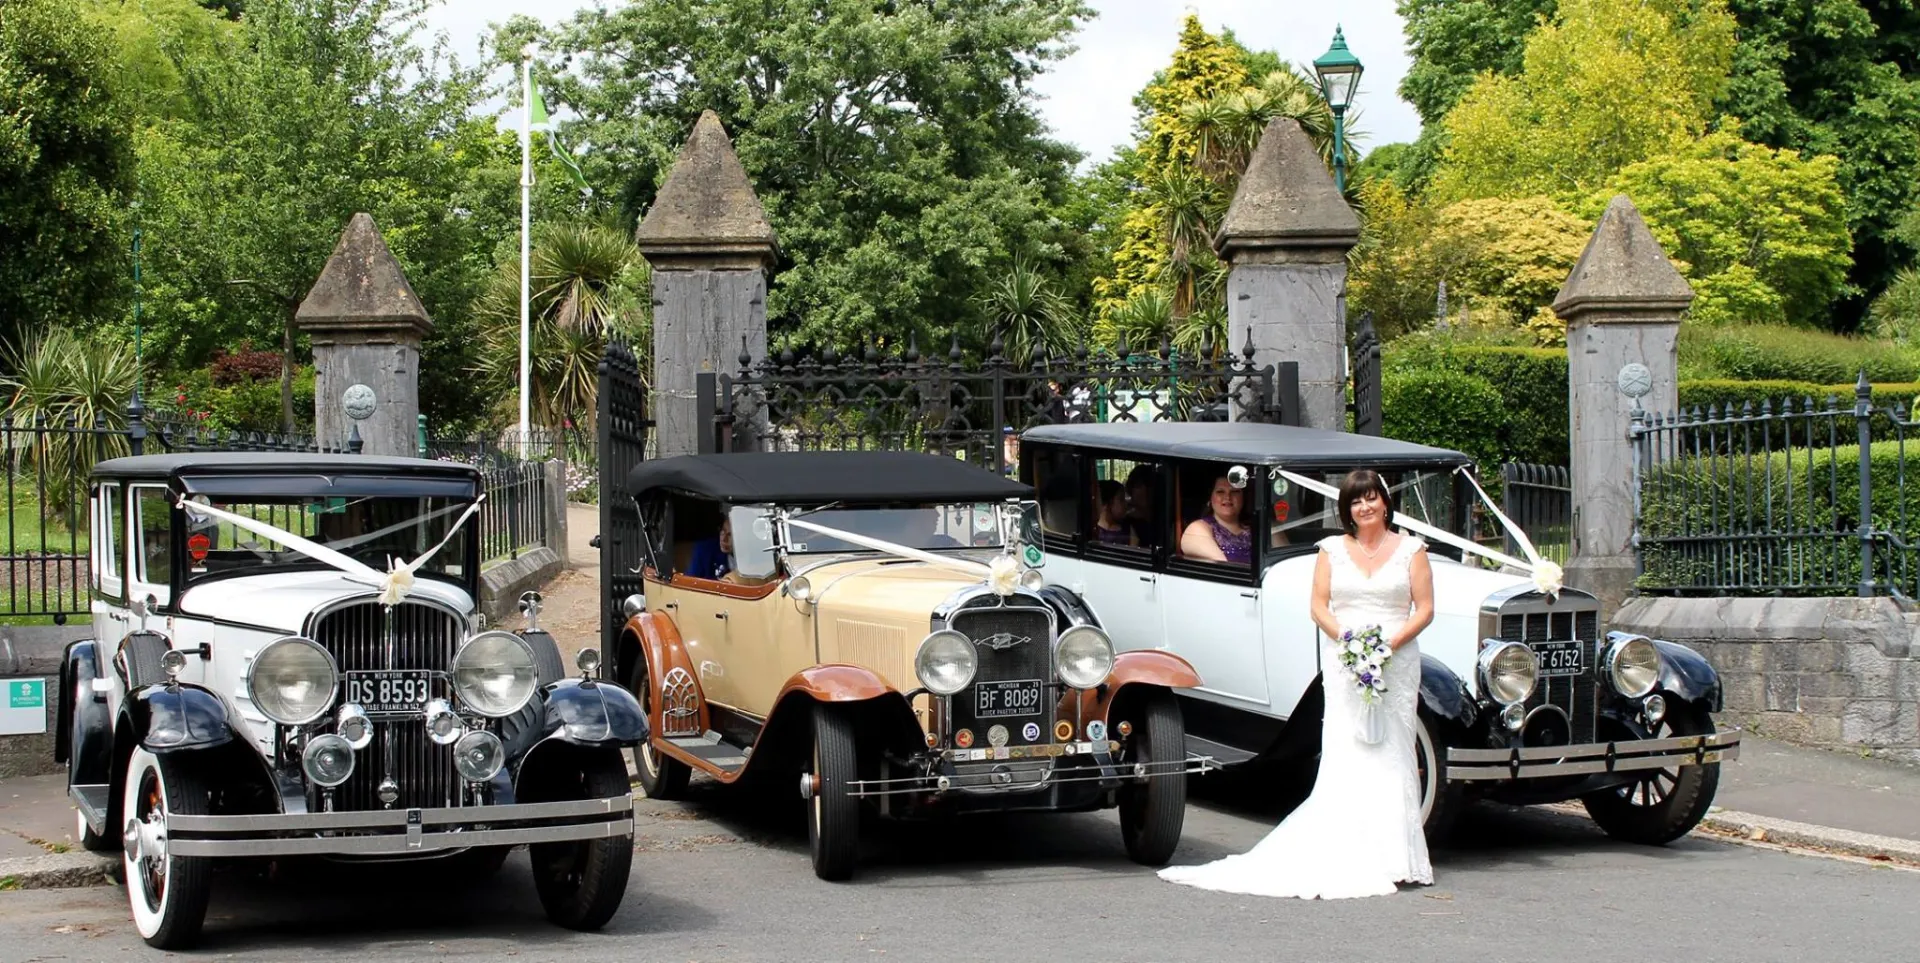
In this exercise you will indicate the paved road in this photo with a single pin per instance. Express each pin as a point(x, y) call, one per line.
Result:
point(718, 881)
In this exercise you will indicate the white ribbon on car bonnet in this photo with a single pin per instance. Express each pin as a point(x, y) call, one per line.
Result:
point(394, 584)
point(1546, 574)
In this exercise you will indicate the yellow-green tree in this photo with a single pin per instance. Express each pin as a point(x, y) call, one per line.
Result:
point(1606, 83)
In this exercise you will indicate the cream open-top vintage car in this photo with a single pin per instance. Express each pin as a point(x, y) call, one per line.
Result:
point(288, 661)
point(870, 627)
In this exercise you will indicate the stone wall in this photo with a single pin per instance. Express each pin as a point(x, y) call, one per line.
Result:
point(1836, 673)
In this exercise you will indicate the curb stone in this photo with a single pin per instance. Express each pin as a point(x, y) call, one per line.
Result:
point(58, 871)
point(1786, 832)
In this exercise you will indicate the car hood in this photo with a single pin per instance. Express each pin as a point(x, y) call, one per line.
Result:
point(875, 612)
point(282, 600)
point(1458, 592)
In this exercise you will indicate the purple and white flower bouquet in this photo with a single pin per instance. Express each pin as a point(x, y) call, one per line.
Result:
point(1365, 655)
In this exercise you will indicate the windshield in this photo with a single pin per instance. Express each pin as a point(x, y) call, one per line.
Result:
point(370, 530)
point(1303, 516)
point(972, 525)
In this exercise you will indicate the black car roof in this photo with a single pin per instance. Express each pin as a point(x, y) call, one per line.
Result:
point(818, 477)
point(273, 462)
point(1249, 442)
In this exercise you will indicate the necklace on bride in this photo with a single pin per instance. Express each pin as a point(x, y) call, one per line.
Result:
point(1373, 552)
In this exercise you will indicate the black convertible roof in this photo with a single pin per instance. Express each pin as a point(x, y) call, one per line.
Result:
point(818, 477)
point(271, 463)
point(1251, 443)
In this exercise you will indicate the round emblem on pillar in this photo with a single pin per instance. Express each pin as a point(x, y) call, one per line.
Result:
point(359, 402)
point(1635, 380)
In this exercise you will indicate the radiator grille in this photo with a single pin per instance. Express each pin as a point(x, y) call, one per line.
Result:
point(1031, 659)
point(423, 637)
point(1576, 695)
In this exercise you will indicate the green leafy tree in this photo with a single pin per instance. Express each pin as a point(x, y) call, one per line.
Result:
point(66, 171)
point(1761, 233)
point(896, 148)
point(1605, 84)
point(1453, 42)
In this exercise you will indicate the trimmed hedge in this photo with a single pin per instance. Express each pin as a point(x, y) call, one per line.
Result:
point(1722, 392)
point(1443, 408)
point(1767, 352)
point(1530, 422)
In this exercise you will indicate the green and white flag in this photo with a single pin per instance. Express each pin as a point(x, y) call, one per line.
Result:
point(537, 119)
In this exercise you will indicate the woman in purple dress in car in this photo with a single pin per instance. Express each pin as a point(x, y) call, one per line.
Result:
point(1111, 527)
point(1223, 535)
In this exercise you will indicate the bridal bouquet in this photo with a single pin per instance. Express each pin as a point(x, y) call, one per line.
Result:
point(1365, 655)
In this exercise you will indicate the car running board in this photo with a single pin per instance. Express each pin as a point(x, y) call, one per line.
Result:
point(92, 803)
point(713, 750)
point(1222, 753)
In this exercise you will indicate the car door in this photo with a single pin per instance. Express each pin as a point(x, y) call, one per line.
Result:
point(109, 544)
point(1213, 621)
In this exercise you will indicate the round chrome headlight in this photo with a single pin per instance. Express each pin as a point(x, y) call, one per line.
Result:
point(494, 674)
point(292, 680)
point(946, 662)
point(1634, 665)
point(1508, 672)
point(327, 760)
point(1083, 656)
point(479, 755)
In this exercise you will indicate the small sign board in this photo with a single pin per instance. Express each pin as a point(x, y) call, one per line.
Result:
point(23, 706)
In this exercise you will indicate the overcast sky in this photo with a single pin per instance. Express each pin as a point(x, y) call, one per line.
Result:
point(1088, 96)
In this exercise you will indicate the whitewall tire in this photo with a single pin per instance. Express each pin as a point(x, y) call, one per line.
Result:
point(167, 893)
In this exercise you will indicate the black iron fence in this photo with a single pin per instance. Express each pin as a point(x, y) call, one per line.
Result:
point(970, 407)
point(1539, 499)
point(1795, 497)
point(46, 556)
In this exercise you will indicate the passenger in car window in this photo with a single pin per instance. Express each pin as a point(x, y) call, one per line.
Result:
point(1111, 528)
point(1222, 535)
point(713, 557)
point(1140, 504)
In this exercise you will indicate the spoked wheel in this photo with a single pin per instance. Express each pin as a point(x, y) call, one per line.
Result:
point(1152, 812)
point(1440, 800)
point(833, 814)
point(168, 893)
point(1663, 804)
point(660, 777)
point(581, 883)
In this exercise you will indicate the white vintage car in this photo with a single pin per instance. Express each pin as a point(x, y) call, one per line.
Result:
point(1523, 697)
point(288, 661)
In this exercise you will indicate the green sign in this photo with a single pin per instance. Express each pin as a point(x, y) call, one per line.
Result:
point(1034, 558)
point(26, 694)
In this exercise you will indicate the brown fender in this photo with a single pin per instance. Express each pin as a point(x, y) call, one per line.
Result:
point(662, 647)
point(836, 682)
point(1141, 667)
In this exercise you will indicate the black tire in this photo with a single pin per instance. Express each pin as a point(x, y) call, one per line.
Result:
point(167, 893)
point(833, 816)
point(90, 841)
point(1664, 804)
point(660, 777)
point(582, 883)
point(1153, 812)
point(1440, 801)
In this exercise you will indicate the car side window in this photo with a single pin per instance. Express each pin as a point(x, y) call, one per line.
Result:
point(153, 545)
point(703, 546)
point(1125, 498)
point(1055, 476)
point(1213, 520)
point(110, 524)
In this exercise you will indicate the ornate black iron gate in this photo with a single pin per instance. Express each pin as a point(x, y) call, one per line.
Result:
point(1366, 379)
point(969, 408)
point(622, 436)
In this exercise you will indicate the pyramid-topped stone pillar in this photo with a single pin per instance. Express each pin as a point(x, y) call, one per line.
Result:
point(1285, 240)
point(366, 325)
point(711, 247)
point(1622, 304)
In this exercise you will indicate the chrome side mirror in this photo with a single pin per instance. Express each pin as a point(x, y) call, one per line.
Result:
point(1237, 476)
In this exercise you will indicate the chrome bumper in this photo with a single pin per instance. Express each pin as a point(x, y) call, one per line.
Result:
point(1594, 758)
point(399, 832)
point(1001, 779)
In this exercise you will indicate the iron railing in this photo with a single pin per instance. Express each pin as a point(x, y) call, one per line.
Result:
point(1798, 497)
point(968, 408)
point(1539, 499)
point(514, 518)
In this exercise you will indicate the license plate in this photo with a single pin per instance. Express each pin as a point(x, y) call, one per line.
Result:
point(1559, 658)
point(992, 700)
point(390, 691)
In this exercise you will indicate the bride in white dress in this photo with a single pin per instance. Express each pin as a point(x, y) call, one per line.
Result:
point(1359, 833)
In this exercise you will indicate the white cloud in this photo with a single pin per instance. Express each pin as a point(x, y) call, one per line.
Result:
point(1089, 96)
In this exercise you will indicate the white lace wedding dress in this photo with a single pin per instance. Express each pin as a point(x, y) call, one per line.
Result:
point(1359, 833)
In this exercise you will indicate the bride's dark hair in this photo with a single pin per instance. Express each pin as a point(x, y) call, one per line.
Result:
point(1357, 483)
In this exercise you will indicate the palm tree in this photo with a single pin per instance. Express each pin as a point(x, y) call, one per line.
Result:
point(1029, 316)
point(1227, 127)
point(1187, 206)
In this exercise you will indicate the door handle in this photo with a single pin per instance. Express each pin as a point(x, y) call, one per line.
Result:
point(671, 605)
point(1149, 578)
point(722, 614)
point(1249, 595)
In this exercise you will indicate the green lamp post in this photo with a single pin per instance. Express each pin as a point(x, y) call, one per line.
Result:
point(1339, 72)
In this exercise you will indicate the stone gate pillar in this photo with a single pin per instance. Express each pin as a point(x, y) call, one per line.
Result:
point(366, 325)
point(1285, 240)
point(1622, 306)
point(710, 246)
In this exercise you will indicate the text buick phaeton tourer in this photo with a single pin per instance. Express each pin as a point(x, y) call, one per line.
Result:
point(288, 661)
point(1523, 697)
point(871, 628)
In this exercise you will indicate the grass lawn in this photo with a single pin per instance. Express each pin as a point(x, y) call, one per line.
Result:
point(25, 531)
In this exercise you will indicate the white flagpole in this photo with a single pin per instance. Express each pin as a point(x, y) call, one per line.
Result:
point(526, 217)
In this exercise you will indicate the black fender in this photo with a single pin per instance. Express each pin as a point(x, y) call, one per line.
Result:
point(83, 731)
point(1688, 675)
point(589, 713)
point(1446, 695)
point(1069, 606)
point(176, 717)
